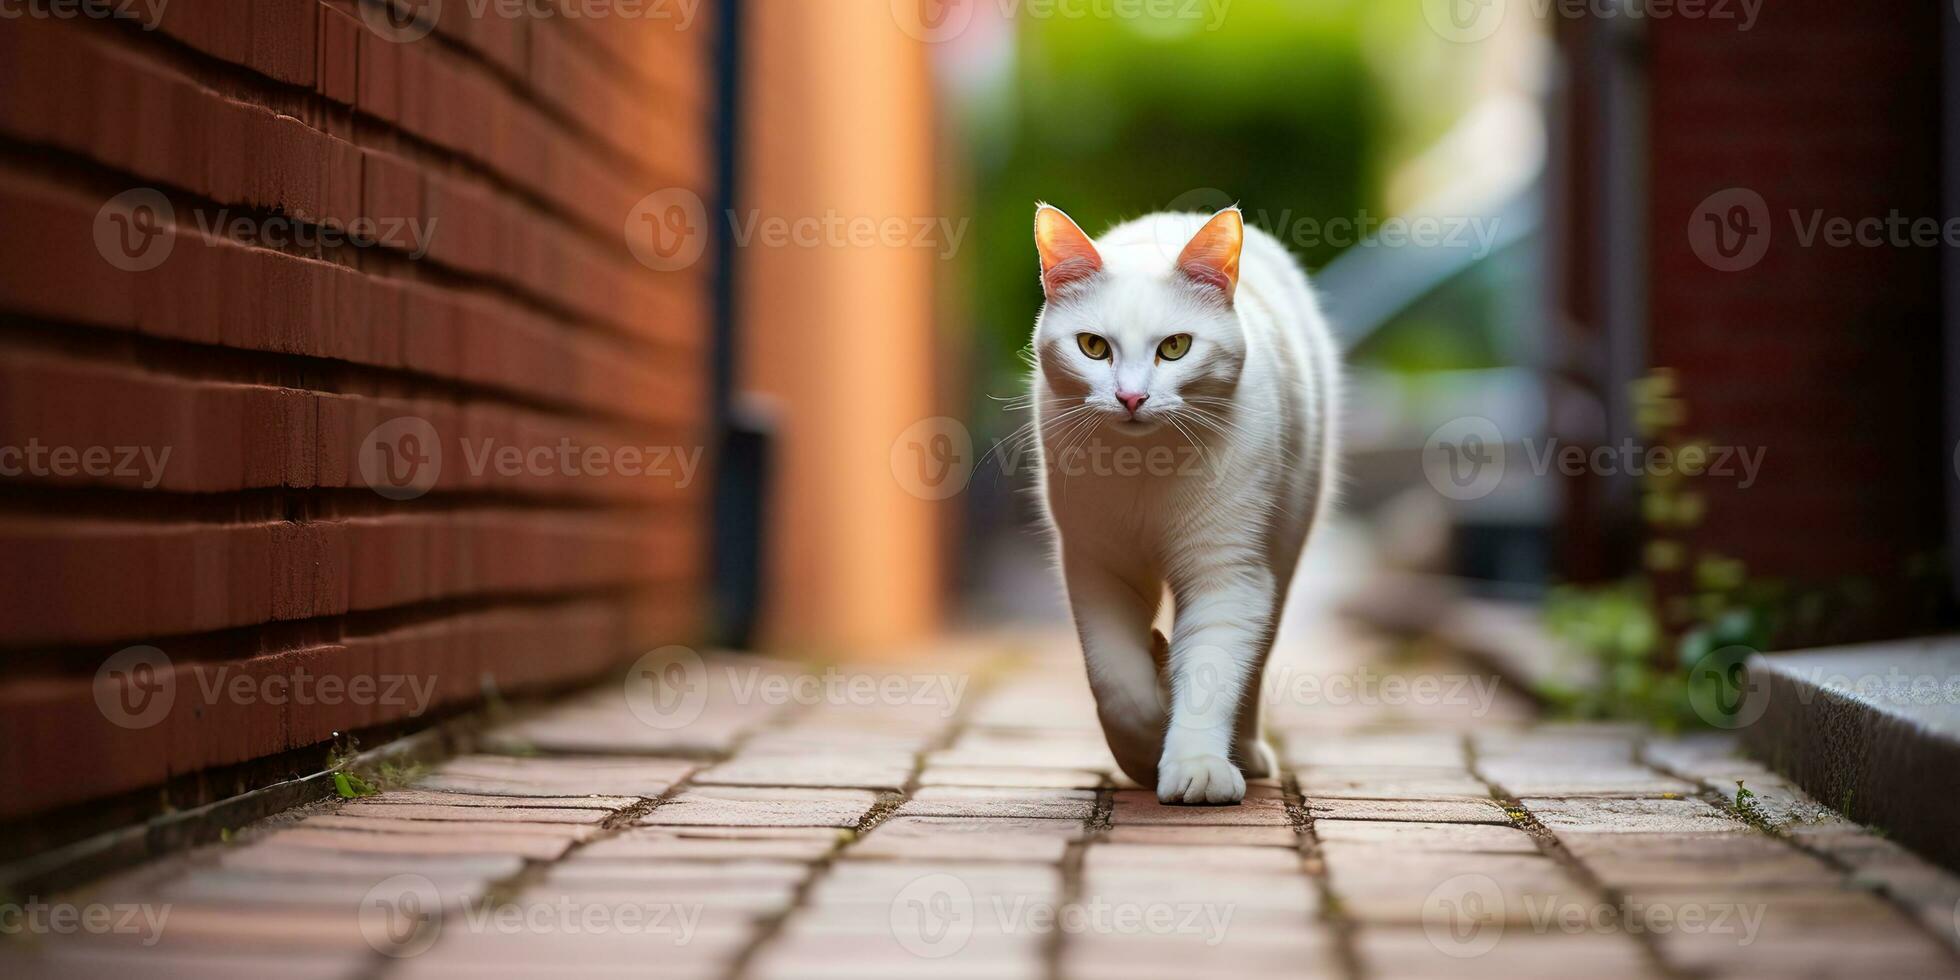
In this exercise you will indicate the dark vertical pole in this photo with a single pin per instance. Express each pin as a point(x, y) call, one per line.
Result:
point(1949, 461)
point(741, 446)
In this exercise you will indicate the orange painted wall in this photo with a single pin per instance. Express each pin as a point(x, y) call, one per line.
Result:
point(840, 338)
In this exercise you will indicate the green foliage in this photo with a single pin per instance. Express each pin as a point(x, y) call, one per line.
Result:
point(1646, 657)
point(1294, 109)
point(352, 782)
point(1746, 807)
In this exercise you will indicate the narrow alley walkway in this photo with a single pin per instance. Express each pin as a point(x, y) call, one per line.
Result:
point(956, 816)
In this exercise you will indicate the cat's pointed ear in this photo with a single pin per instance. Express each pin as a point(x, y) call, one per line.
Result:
point(1067, 255)
point(1211, 258)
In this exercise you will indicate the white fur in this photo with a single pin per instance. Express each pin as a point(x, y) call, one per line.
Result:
point(1220, 531)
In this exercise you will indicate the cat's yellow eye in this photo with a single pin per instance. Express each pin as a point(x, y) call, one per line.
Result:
point(1092, 345)
point(1174, 347)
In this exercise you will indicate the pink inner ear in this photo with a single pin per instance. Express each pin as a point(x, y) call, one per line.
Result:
point(1069, 271)
point(1207, 275)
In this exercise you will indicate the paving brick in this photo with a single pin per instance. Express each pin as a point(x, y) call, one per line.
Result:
point(965, 801)
point(477, 814)
point(971, 838)
point(737, 806)
point(534, 847)
point(1018, 777)
point(559, 776)
point(1419, 750)
point(1427, 836)
point(1362, 782)
point(1731, 860)
point(1222, 857)
point(1284, 836)
point(421, 797)
point(865, 770)
point(1616, 816)
point(1421, 811)
point(1263, 806)
point(96, 962)
point(1219, 888)
point(385, 825)
point(311, 862)
point(1126, 955)
point(1531, 778)
point(1414, 954)
point(716, 844)
point(880, 883)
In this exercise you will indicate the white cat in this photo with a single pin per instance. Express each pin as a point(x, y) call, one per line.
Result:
point(1185, 397)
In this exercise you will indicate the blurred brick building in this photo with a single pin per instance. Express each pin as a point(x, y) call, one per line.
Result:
point(1826, 358)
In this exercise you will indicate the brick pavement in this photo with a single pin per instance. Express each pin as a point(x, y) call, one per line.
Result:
point(958, 816)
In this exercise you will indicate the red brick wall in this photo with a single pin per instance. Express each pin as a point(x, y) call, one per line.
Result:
point(1825, 358)
point(502, 161)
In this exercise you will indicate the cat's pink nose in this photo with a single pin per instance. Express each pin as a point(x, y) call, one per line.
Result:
point(1131, 401)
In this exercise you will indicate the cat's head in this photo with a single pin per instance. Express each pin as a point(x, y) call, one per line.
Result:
point(1136, 328)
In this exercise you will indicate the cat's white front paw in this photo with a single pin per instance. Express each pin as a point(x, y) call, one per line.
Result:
point(1199, 779)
